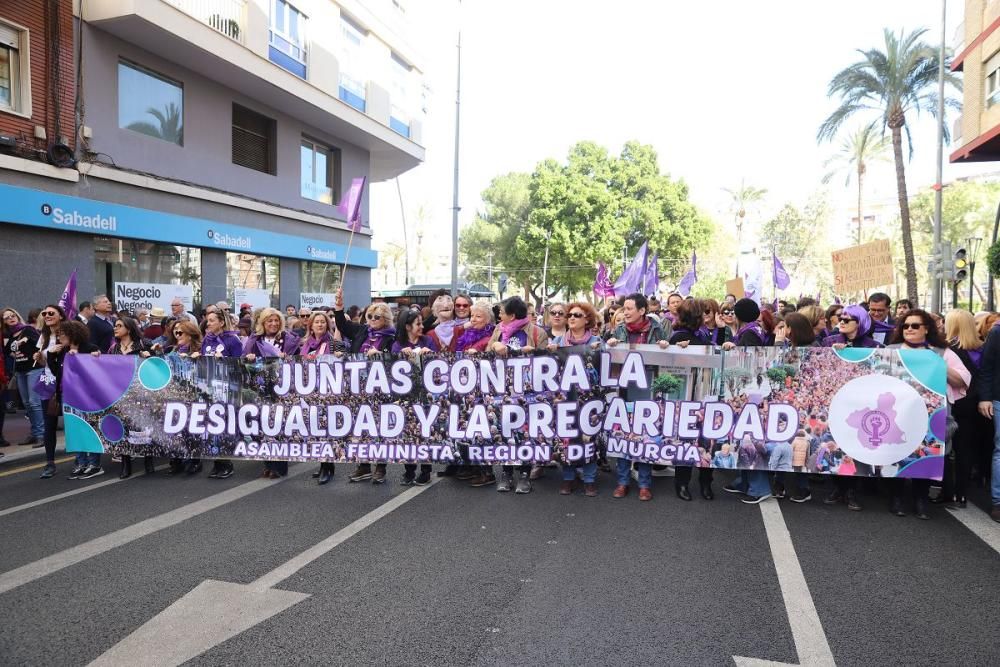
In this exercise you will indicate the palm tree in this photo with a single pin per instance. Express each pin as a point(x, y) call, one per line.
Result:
point(170, 127)
point(741, 198)
point(857, 150)
point(893, 83)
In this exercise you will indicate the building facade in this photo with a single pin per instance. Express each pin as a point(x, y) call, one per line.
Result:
point(977, 48)
point(214, 140)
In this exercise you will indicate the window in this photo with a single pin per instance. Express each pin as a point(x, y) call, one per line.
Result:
point(252, 272)
point(319, 277)
point(287, 47)
point(150, 104)
point(320, 171)
point(132, 261)
point(253, 140)
point(992, 69)
point(15, 86)
point(352, 84)
point(399, 112)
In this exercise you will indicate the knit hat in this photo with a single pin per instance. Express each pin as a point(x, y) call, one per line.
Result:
point(746, 310)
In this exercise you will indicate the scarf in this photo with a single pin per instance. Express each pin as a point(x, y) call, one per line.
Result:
point(377, 338)
point(637, 331)
point(213, 343)
point(312, 345)
point(16, 329)
point(470, 337)
point(445, 331)
point(756, 328)
point(570, 341)
point(508, 329)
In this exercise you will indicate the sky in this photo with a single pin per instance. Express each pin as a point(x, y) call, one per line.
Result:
point(724, 91)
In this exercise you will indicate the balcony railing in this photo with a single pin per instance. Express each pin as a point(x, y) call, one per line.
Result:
point(227, 16)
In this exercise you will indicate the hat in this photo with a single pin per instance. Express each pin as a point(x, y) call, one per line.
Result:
point(157, 312)
point(246, 305)
point(746, 310)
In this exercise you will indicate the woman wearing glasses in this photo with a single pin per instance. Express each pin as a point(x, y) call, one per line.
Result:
point(713, 329)
point(183, 339)
point(557, 323)
point(20, 344)
point(128, 340)
point(853, 325)
point(52, 316)
point(372, 338)
point(917, 330)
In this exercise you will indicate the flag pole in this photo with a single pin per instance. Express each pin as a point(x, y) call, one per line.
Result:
point(347, 255)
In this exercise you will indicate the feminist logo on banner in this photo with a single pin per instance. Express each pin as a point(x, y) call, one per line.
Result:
point(724, 409)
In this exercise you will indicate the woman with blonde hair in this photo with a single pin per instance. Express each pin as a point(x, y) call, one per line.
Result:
point(322, 337)
point(963, 338)
point(817, 319)
point(269, 337)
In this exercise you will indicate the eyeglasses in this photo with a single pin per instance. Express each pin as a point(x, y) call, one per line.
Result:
point(576, 315)
point(50, 313)
point(912, 325)
point(373, 318)
point(463, 305)
point(558, 313)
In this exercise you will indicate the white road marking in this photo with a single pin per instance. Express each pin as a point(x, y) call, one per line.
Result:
point(216, 611)
point(980, 524)
point(59, 561)
point(69, 494)
point(811, 644)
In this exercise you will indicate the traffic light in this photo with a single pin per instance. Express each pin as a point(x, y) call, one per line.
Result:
point(939, 267)
point(960, 266)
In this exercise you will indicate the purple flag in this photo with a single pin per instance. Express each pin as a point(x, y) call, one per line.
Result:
point(836, 300)
point(651, 279)
point(350, 204)
point(631, 279)
point(781, 279)
point(602, 283)
point(690, 278)
point(68, 299)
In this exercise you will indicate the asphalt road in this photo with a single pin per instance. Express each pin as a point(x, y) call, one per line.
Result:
point(461, 576)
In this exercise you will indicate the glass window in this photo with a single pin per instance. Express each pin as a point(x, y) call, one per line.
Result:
point(252, 272)
point(320, 171)
point(400, 91)
point(150, 104)
point(352, 83)
point(287, 41)
point(319, 277)
point(132, 261)
point(10, 70)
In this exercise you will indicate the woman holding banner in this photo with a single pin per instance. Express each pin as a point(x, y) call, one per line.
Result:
point(183, 339)
point(713, 328)
point(918, 331)
point(581, 318)
point(473, 339)
point(270, 340)
point(854, 327)
point(128, 340)
point(374, 337)
point(446, 326)
point(52, 316)
point(321, 337)
point(73, 338)
point(411, 342)
point(220, 342)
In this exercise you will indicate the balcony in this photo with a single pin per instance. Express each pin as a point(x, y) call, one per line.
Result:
point(228, 41)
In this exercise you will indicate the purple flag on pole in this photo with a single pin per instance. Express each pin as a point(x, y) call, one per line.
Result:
point(651, 279)
point(631, 279)
point(690, 278)
point(350, 204)
point(836, 300)
point(781, 279)
point(602, 283)
point(68, 299)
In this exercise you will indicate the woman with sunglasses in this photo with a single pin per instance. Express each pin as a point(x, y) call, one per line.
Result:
point(556, 316)
point(128, 340)
point(727, 320)
point(73, 338)
point(853, 325)
point(411, 342)
point(713, 328)
point(20, 344)
point(918, 331)
point(372, 338)
point(183, 338)
point(52, 316)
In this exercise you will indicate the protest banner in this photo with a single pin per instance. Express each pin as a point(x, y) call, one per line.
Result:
point(257, 298)
point(870, 412)
point(133, 296)
point(316, 299)
point(863, 267)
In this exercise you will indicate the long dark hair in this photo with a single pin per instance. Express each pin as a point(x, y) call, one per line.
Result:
point(405, 319)
point(43, 341)
point(132, 329)
point(800, 331)
point(933, 335)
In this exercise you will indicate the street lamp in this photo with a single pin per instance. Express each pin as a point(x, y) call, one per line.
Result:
point(973, 246)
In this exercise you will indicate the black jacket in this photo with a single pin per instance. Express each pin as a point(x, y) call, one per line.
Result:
point(102, 334)
point(358, 333)
point(989, 368)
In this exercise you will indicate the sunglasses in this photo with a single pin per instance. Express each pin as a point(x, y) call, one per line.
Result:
point(727, 313)
point(557, 313)
point(50, 313)
point(849, 319)
point(463, 305)
point(373, 318)
point(912, 325)
point(576, 315)
point(178, 332)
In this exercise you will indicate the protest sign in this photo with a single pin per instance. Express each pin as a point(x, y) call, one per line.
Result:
point(736, 288)
point(133, 296)
point(862, 267)
point(316, 299)
point(870, 412)
point(257, 298)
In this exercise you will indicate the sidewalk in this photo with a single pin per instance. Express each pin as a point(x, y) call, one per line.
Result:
point(15, 429)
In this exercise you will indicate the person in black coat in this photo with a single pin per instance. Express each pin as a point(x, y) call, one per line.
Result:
point(72, 338)
point(102, 324)
point(128, 340)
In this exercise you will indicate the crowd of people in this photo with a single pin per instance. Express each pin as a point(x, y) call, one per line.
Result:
point(35, 347)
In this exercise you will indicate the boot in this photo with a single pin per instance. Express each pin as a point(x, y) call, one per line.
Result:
point(149, 463)
point(682, 491)
point(325, 473)
point(126, 471)
point(706, 491)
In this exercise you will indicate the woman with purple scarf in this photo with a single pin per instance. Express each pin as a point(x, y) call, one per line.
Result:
point(372, 338)
point(128, 340)
point(269, 338)
point(854, 327)
point(220, 341)
point(321, 338)
point(411, 342)
point(476, 334)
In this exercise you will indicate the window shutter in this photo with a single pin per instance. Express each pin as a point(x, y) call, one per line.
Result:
point(9, 37)
point(252, 137)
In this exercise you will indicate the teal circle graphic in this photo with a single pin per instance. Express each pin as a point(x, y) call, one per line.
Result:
point(855, 354)
point(81, 436)
point(154, 374)
point(927, 368)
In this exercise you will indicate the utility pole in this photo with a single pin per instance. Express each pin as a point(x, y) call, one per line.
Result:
point(454, 207)
point(938, 186)
point(490, 256)
point(545, 270)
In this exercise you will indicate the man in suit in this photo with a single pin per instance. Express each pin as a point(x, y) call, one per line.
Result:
point(102, 324)
point(86, 312)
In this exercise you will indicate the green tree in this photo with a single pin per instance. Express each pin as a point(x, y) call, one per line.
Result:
point(792, 234)
point(859, 149)
point(898, 81)
point(169, 124)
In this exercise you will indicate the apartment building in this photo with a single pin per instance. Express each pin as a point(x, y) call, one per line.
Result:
point(977, 55)
point(213, 139)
